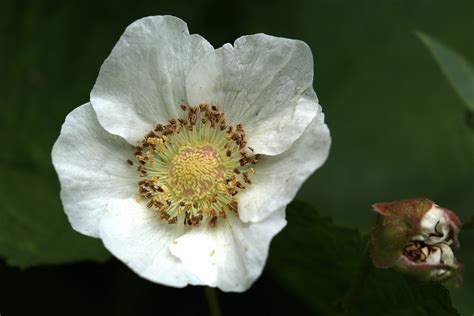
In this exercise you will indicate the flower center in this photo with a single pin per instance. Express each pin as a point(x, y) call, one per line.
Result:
point(193, 167)
point(195, 172)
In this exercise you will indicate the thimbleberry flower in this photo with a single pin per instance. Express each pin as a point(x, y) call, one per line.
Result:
point(186, 156)
point(416, 237)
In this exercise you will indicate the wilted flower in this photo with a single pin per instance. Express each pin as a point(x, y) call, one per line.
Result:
point(416, 237)
point(185, 158)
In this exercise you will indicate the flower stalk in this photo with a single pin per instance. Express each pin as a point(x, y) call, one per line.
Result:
point(212, 301)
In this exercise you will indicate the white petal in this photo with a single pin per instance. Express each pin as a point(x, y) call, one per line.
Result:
point(434, 226)
point(142, 82)
point(447, 254)
point(278, 178)
point(231, 255)
point(92, 168)
point(138, 237)
point(263, 82)
point(434, 257)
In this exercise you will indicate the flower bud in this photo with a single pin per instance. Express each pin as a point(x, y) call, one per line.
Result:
point(416, 237)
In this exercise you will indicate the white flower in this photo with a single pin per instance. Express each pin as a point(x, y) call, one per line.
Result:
point(186, 156)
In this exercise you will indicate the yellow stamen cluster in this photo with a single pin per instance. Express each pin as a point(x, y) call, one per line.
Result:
point(193, 167)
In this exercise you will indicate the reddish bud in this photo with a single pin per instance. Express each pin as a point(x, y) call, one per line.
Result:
point(416, 237)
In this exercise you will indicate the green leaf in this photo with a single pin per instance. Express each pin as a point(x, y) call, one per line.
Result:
point(319, 260)
point(456, 68)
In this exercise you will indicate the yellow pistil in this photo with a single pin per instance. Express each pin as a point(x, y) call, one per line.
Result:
point(195, 172)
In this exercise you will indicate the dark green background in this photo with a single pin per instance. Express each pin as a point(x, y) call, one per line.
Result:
point(398, 128)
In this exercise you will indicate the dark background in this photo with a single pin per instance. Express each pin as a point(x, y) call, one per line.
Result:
point(398, 128)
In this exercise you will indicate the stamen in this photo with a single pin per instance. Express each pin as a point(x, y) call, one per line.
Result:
point(418, 251)
point(193, 166)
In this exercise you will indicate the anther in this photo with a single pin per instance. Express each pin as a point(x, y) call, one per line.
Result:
point(174, 220)
point(203, 107)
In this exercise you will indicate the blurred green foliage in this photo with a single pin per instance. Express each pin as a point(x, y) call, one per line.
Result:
point(399, 130)
point(457, 70)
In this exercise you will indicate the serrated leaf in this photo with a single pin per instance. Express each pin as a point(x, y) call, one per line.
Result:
point(318, 260)
point(456, 68)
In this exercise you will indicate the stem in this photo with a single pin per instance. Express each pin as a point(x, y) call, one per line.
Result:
point(361, 274)
point(212, 301)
